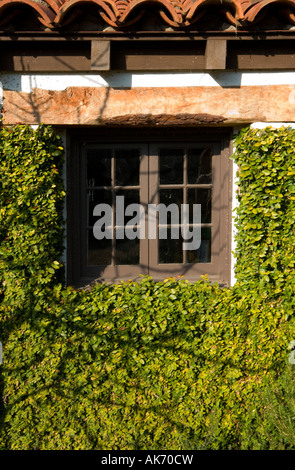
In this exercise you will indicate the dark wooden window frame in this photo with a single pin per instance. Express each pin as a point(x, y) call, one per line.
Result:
point(219, 268)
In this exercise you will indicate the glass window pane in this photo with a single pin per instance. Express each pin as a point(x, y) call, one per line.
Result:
point(127, 252)
point(201, 196)
point(131, 196)
point(127, 167)
point(99, 167)
point(199, 166)
point(95, 197)
point(202, 254)
point(175, 197)
point(170, 250)
point(171, 166)
point(99, 252)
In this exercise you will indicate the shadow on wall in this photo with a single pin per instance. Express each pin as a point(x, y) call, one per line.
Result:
point(26, 82)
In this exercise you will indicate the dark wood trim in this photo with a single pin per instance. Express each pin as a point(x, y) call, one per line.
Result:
point(45, 57)
point(100, 55)
point(76, 134)
point(77, 138)
point(19, 36)
point(140, 55)
point(215, 54)
point(153, 56)
point(264, 55)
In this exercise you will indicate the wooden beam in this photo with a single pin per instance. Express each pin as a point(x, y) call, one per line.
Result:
point(215, 54)
point(78, 105)
point(158, 56)
point(100, 55)
point(30, 56)
point(84, 56)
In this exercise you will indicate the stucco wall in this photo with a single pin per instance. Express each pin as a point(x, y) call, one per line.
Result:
point(27, 82)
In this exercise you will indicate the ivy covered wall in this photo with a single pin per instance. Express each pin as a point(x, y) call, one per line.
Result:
point(141, 365)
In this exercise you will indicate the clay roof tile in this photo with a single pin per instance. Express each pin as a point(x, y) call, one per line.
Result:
point(121, 13)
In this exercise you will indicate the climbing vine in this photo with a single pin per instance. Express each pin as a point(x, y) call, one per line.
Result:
point(140, 365)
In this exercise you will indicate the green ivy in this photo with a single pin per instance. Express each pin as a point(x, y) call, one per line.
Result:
point(266, 215)
point(140, 365)
point(31, 201)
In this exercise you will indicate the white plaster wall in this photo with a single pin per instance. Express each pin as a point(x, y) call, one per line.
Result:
point(277, 125)
point(26, 82)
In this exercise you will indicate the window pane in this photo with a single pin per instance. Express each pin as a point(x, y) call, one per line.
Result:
point(171, 166)
point(99, 167)
point(168, 176)
point(170, 250)
point(203, 197)
point(95, 197)
point(131, 196)
point(127, 243)
point(203, 254)
point(172, 196)
point(127, 252)
point(127, 167)
point(199, 166)
point(99, 252)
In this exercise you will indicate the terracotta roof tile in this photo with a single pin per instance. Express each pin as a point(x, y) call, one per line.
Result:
point(44, 11)
point(123, 13)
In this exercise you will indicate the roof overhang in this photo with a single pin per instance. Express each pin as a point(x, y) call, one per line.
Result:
point(135, 16)
point(102, 35)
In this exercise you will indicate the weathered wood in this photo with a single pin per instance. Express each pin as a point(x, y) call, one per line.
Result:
point(215, 55)
point(100, 106)
point(155, 56)
point(263, 55)
point(156, 120)
point(100, 55)
point(84, 56)
point(30, 56)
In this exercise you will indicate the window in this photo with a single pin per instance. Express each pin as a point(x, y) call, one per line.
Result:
point(153, 203)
